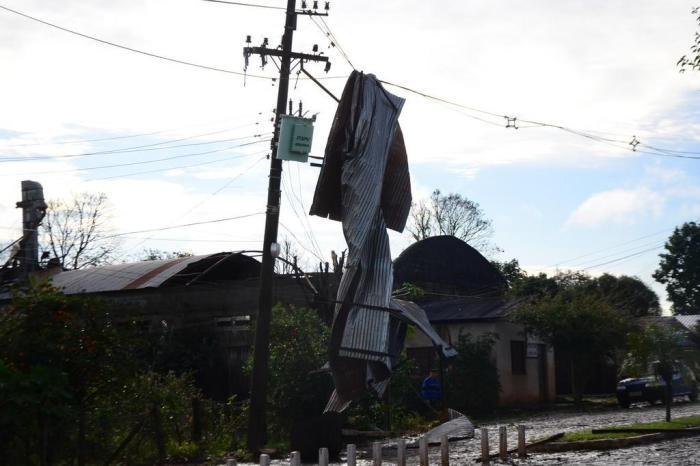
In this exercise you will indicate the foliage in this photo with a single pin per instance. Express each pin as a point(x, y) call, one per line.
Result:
point(510, 270)
point(76, 386)
point(473, 385)
point(693, 61)
point(679, 269)
point(159, 255)
point(580, 324)
point(627, 294)
point(76, 231)
point(409, 291)
point(680, 423)
point(659, 347)
point(399, 409)
point(67, 353)
point(452, 215)
point(298, 349)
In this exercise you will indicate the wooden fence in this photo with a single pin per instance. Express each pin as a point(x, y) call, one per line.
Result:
point(377, 451)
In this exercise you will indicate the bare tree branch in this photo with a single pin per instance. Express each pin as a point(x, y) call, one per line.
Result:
point(76, 231)
point(453, 215)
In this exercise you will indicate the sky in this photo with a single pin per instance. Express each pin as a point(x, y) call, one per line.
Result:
point(171, 144)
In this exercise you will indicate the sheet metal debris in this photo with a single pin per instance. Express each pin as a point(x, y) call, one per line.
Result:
point(365, 184)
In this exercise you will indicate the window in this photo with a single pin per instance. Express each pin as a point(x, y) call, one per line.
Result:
point(517, 356)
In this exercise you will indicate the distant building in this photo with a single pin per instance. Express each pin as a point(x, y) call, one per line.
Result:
point(214, 294)
point(465, 294)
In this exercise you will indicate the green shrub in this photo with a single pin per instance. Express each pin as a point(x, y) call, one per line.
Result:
point(473, 385)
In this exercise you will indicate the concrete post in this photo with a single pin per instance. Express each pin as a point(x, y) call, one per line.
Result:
point(485, 450)
point(401, 452)
point(352, 454)
point(522, 451)
point(502, 443)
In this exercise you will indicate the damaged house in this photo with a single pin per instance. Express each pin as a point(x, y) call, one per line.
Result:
point(465, 294)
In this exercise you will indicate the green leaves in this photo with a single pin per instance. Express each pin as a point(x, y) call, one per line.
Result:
point(679, 269)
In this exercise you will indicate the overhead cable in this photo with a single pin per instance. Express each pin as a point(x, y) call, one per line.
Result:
point(173, 227)
point(131, 49)
point(140, 148)
point(141, 162)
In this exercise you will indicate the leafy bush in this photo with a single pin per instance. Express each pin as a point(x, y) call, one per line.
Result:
point(473, 385)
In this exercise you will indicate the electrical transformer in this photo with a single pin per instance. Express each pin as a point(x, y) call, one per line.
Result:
point(296, 135)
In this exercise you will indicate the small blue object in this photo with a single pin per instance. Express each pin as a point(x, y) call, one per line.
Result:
point(431, 389)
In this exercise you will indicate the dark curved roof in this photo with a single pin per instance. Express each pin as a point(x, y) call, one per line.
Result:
point(447, 264)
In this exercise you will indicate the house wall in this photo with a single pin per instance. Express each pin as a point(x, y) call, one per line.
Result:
point(536, 385)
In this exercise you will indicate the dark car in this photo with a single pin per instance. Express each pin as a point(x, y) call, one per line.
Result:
point(652, 388)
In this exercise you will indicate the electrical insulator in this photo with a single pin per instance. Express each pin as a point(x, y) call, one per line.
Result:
point(265, 42)
point(328, 6)
point(303, 5)
point(328, 67)
point(315, 49)
point(247, 40)
point(315, 4)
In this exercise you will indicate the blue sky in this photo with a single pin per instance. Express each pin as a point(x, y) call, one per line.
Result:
point(597, 66)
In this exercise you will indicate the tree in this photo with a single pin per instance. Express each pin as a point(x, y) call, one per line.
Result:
point(679, 269)
point(693, 61)
point(659, 348)
point(628, 294)
point(159, 255)
point(77, 231)
point(580, 324)
point(453, 215)
point(510, 270)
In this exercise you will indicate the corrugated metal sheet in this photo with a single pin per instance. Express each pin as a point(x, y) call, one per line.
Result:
point(364, 182)
point(688, 322)
point(129, 276)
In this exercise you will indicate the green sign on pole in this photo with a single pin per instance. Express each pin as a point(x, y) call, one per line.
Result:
point(296, 135)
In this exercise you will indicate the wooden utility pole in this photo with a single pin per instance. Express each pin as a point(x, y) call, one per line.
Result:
point(257, 425)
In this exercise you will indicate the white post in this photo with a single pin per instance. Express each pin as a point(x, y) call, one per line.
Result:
point(522, 451)
point(230, 462)
point(502, 443)
point(296, 459)
point(323, 456)
point(401, 452)
point(264, 460)
point(485, 451)
point(423, 451)
point(444, 451)
point(352, 454)
point(377, 454)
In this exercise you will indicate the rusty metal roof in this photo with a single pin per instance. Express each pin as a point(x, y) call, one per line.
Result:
point(139, 275)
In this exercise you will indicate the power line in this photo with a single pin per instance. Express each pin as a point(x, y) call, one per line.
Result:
point(114, 138)
point(140, 148)
point(256, 5)
point(512, 122)
point(624, 257)
point(176, 167)
point(131, 49)
point(141, 162)
point(173, 227)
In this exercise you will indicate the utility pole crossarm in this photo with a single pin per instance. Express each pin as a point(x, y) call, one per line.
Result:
point(282, 54)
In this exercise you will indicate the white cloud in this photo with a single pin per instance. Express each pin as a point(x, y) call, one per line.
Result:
point(617, 206)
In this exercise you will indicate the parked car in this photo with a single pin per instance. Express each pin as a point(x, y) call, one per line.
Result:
point(652, 388)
